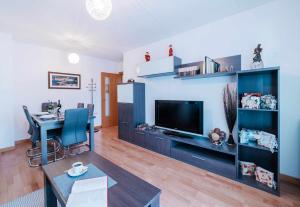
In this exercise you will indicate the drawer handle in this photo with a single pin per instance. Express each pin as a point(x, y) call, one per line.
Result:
point(199, 158)
point(124, 122)
point(140, 133)
point(159, 138)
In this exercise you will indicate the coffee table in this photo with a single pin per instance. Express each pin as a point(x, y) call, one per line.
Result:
point(129, 191)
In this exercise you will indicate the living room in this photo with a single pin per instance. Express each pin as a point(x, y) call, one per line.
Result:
point(197, 109)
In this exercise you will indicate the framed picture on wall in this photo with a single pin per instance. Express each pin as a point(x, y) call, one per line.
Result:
point(63, 80)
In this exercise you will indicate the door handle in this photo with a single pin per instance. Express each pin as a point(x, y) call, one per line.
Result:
point(199, 158)
point(124, 122)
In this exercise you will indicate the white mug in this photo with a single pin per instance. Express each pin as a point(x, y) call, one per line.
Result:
point(77, 167)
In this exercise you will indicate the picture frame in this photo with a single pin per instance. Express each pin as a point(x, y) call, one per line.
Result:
point(58, 80)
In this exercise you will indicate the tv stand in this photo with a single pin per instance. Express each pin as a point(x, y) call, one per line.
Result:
point(195, 150)
point(177, 134)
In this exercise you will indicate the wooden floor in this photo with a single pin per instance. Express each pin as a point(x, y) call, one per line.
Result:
point(182, 185)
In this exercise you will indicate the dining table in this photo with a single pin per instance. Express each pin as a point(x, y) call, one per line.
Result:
point(57, 122)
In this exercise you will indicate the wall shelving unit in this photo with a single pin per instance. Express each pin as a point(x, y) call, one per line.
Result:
point(264, 81)
point(199, 151)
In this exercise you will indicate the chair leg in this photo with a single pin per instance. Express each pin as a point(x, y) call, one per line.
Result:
point(56, 149)
point(29, 154)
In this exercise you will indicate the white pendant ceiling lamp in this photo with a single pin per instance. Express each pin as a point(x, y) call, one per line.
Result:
point(99, 9)
point(73, 58)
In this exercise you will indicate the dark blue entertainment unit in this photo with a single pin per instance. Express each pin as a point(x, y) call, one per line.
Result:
point(198, 150)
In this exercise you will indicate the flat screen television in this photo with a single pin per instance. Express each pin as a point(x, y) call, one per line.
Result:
point(180, 116)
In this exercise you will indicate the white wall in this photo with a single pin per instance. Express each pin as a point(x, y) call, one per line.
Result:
point(6, 86)
point(24, 81)
point(276, 26)
point(31, 66)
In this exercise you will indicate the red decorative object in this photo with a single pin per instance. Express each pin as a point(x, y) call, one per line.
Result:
point(147, 57)
point(170, 50)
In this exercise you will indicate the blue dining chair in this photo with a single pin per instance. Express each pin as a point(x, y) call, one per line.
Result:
point(91, 108)
point(74, 130)
point(80, 105)
point(34, 152)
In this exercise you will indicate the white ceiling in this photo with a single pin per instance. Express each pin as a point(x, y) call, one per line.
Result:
point(66, 25)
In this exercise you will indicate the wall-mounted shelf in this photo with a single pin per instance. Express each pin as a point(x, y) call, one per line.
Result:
point(209, 75)
point(158, 75)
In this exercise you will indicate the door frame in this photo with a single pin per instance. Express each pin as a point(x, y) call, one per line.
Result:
point(102, 94)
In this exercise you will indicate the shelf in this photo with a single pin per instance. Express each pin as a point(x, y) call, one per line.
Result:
point(206, 159)
point(209, 75)
point(263, 110)
point(158, 75)
point(251, 181)
point(256, 146)
point(206, 144)
point(260, 70)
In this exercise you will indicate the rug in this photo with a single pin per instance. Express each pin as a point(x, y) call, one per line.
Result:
point(34, 199)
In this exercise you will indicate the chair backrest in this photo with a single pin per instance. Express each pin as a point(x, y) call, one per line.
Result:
point(45, 106)
point(33, 128)
point(74, 129)
point(80, 105)
point(91, 107)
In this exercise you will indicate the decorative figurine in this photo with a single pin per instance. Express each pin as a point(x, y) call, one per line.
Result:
point(257, 61)
point(171, 50)
point(147, 57)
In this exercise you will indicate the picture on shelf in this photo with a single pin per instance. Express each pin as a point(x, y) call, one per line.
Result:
point(258, 101)
point(261, 138)
point(247, 168)
point(261, 175)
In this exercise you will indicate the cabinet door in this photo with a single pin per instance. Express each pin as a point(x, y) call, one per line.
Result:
point(139, 138)
point(121, 110)
point(123, 131)
point(150, 142)
point(158, 144)
point(165, 147)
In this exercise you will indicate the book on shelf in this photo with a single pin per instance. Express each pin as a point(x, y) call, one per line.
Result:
point(211, 66)
point(89, 192)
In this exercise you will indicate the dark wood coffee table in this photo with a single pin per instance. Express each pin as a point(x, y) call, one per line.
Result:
point(130, 190)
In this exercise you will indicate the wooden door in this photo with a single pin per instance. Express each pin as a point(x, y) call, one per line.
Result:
point(109, 102)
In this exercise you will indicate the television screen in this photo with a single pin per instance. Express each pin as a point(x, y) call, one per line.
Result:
point(186, 116)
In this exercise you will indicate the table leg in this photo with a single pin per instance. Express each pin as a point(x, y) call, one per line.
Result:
point(49, 196)
point(91, 135)
point(155, 202)
point(44, 146)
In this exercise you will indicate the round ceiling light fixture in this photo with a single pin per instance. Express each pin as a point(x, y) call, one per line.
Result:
point(73, 58)
point(99, 9)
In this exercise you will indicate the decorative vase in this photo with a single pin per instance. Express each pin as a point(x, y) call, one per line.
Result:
point(230, 104)
point(230, 140)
